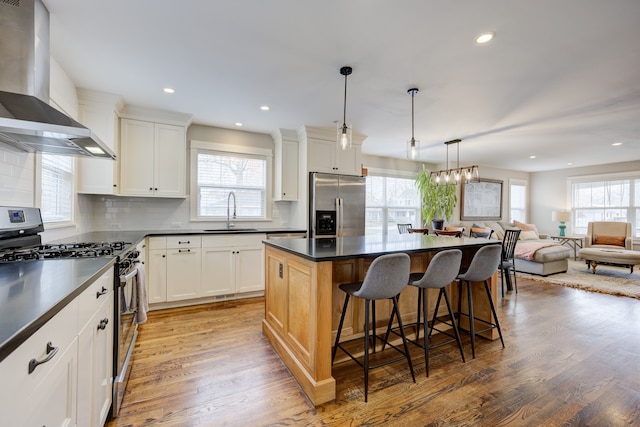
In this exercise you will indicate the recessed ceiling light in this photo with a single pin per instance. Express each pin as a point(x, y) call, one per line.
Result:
point(616, 144)
point(265, 108)
point(238, 124)
point(168, 90)
point(484, 38)
point(532, 157)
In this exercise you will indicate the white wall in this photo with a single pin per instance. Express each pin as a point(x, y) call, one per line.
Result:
point(550, 191)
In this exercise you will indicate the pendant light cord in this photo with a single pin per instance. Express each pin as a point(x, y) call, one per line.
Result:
point(412, 92)
point(345, 71)
point(344, 115)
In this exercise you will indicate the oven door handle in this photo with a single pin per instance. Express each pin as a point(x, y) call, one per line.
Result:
point(130, 275)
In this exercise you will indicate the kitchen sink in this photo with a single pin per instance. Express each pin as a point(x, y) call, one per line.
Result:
point(231, 230)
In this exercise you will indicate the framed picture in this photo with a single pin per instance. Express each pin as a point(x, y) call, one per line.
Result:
point(481, 200)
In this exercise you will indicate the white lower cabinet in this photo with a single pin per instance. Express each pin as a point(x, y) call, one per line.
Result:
point(41, 375)
point(173, 272)
point(95, 362)
point(53, 403)
point(232, 264)
point(62, 374)
point(192, 267)
point(156, 270)
point(183, 273)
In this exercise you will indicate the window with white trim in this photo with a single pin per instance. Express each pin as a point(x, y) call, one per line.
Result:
point(56, 200)
point(218, 173)
point(605, 199)
point(391, 201)
point(517, 200)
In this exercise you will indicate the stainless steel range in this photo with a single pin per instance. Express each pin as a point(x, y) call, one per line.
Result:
point(20, 241)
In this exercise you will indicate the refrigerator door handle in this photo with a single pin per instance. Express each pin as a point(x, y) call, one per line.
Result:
point(339, 214)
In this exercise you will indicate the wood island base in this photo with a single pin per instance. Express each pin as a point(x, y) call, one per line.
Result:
point(303, 305)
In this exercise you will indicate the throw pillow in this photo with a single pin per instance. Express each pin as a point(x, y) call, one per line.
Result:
point(528, 235)
point(609, 240)
point(526, 227)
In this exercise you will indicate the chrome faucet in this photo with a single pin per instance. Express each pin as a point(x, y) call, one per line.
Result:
point(231, 193)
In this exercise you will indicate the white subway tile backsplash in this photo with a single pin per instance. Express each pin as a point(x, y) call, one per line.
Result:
point(16, 178)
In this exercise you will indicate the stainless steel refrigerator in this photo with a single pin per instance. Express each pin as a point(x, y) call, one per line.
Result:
point(336, 205)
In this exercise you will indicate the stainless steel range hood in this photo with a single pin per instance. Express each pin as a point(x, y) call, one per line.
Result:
point(27, 121)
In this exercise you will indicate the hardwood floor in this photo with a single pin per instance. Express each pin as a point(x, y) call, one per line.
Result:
point(572, 358)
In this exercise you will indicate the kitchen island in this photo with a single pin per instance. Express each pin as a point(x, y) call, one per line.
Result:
point(303, 301)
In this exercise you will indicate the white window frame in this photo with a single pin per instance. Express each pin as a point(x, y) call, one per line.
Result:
point(63, 222)
point(519, 183)
point(634, 205)
point(385, 173)
point(197, 147)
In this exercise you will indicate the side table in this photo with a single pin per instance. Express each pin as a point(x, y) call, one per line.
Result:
point(575, 242)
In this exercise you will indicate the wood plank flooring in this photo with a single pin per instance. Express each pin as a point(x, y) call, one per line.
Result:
point(572, 358)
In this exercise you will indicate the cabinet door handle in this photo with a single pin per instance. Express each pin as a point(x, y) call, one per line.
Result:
point(184, 243)
point(155, 189)
point(150, 188)
point(103, 324)
point(51, 351)
point(101, 292)
point(180, 251)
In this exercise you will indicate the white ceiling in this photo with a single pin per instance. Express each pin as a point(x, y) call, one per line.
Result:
point(560, 81)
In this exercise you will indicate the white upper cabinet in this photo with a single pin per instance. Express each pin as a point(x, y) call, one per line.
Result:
point(153, 154)
point(286, 164)
point(323, 155)
point(99, 112)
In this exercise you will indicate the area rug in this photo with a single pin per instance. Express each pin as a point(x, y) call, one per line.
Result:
point(607, 280)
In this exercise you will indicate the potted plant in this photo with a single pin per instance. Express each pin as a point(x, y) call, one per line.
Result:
point(438, 201)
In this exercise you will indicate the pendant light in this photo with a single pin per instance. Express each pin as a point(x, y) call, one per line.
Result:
point(413, 146)
point(344, 130)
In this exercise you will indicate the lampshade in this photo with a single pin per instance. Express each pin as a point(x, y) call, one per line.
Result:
point(560, 216)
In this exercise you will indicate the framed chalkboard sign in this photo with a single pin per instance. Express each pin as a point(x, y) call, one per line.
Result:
point(481, 200)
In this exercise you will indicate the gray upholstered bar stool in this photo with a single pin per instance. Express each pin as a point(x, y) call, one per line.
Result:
point(441, 271)
point(386, 278)
point(484, 263)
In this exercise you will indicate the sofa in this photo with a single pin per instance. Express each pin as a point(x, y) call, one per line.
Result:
point(544, 256)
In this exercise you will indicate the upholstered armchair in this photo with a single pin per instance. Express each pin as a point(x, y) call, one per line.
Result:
point(608, 235)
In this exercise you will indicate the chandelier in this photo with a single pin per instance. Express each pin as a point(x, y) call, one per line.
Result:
point(455, 175)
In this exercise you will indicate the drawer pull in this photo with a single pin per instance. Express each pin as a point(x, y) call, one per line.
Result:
point(181, 251)
point(184, 243)
point(51, 351)
point(101, 292)
point(103, 324)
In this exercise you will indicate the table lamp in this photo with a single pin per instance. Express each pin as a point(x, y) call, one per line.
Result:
point(562, 217)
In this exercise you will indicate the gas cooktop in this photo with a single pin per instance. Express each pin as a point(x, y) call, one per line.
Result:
point(65, 250)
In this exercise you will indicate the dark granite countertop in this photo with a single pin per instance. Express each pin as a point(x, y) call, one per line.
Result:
point(331, 249)
point(32, 292)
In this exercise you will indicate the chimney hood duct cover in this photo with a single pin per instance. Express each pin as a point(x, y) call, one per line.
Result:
point(27, 121)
